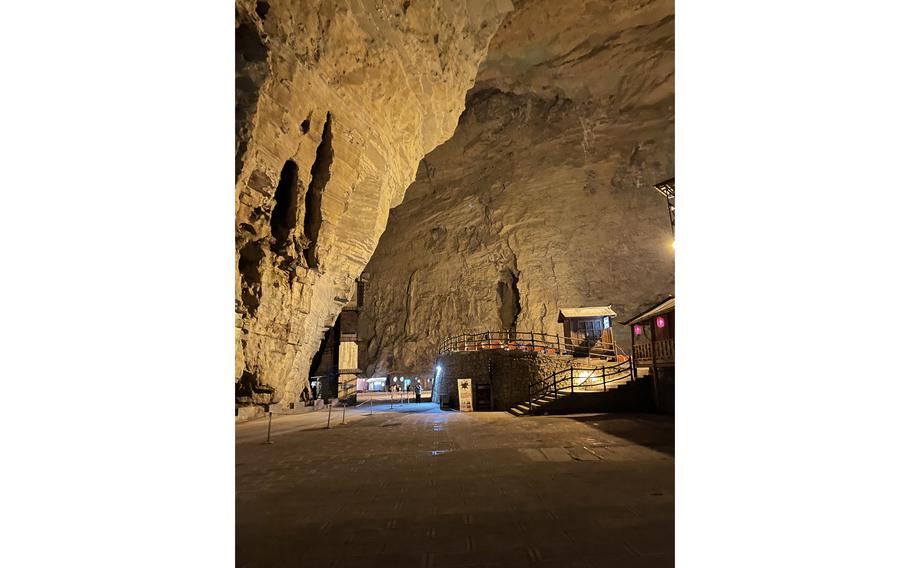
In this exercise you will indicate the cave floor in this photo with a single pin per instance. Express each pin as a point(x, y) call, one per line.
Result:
point(417, 486)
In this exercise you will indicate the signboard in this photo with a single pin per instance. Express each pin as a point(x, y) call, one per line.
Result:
point(465, 396)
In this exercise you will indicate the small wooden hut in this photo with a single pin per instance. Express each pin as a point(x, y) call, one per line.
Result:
point(585, 328)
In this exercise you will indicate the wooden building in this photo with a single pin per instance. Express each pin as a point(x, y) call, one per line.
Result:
point(335, 366)
point(654, 349)
point(585, 328)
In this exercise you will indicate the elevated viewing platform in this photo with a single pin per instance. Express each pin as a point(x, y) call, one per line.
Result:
point(530, 341)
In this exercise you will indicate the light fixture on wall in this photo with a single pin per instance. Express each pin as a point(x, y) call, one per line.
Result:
point(637, 329)
point(661, 322)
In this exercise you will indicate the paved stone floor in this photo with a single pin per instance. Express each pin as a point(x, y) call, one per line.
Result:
point(420, 487)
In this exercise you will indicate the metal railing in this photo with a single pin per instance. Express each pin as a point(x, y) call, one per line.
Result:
point(572, 380)
point(533, 341)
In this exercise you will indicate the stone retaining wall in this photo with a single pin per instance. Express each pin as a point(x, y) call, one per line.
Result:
point(507, 372)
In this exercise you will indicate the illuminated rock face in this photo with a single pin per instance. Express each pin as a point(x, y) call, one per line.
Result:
point(337, 102)
point(542, 199)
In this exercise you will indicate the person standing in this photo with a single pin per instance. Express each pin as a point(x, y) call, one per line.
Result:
point(417, 390)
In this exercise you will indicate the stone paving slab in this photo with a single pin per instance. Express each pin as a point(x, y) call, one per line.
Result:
point(428, 488)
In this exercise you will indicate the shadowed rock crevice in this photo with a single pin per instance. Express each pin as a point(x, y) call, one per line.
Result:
point(250, 72)
point(248, 391)
point(509, 299)
point(284, 213)
point(320, 175)
point(250, 276)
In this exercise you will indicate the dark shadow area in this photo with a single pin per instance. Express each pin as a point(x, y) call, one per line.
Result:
point(509, 299)
point(284, 213)
point(654, 431)
point(250, 73)
point(250, 278)
point(320, 174)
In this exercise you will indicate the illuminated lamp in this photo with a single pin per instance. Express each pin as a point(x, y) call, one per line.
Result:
point(637, 329)
point(661, 322)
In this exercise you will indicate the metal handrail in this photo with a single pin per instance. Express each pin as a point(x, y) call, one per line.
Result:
point(616, 368)
point(524, 339)
point(551, 382)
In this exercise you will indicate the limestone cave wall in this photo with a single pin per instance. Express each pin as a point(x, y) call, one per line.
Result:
point(542, 198)
point(336, 104)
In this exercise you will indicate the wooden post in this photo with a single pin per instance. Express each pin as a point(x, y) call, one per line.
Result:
point(654, 349)
point(654, 388)
point(572, 379)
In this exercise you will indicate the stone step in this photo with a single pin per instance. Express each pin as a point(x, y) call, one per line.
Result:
point(516, 412)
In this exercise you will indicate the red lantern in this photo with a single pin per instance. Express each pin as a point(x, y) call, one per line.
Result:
point(637, 329)
point(661, 322)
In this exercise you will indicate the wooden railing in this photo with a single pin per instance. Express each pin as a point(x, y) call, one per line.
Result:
point(532, 341)
point(663, 350)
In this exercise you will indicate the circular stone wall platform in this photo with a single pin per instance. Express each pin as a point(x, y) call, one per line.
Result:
point(507, 373)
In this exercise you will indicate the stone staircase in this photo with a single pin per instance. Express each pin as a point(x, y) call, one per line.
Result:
point(595, 390)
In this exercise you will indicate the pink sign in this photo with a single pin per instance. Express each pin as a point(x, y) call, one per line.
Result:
point(660, 321)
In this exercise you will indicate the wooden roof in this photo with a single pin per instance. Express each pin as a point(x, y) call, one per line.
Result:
point(663, 307)
point(597, 311)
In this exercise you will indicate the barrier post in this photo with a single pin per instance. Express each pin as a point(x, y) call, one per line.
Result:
point(328, 423)
point(343, 407)
point(268, 436)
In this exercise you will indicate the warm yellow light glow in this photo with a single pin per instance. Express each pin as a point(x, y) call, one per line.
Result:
point(582, 376)
point(673, 244)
